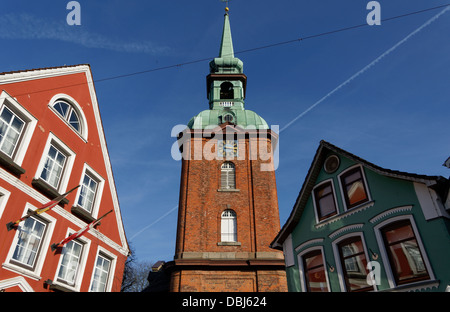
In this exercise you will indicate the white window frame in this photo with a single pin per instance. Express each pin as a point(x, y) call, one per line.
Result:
point(29, 126)
point(112, 269)
point(87, 170)
point(384, 253)
point(59, 145)
point(4, 196)
point(316, 212)
point(301, 269)
point(225, 220)
point(83, 134)
point(228, 171)
point(337, 257)
point(81, 264)
point(343, 192)
point(35, 272)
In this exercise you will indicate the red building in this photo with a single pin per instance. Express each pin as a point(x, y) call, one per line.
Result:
point(52, 140)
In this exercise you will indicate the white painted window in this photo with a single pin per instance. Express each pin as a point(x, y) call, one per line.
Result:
point(90, 193)
point(16, 128)
point(29, 241)
point(68, 113)
point(87, 193)
point(56, 164)
point(53, 167)
point(228, 226)
point(67, 108)
point(101, 273)
point(11, 127)
point(68, 267)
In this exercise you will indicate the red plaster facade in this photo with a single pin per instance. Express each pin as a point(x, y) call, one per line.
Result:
point(30, 96)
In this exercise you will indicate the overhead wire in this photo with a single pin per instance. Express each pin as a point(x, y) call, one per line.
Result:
point(274, 44)
point(178, 65)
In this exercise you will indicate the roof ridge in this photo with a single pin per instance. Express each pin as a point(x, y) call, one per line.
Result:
point(42, 68)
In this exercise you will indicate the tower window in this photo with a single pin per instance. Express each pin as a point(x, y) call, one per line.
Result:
point(227, 176)
point(228, 226)
point(226, 90)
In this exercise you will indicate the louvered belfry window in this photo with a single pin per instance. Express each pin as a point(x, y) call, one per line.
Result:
point(228, 176)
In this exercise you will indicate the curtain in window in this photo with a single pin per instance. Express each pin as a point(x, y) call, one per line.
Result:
point(53, 167)
point(87, 193)
point(30, 237)
point(10, 129)
point(100, 275)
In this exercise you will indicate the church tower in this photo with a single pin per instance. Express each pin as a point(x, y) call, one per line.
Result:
point(228, 207)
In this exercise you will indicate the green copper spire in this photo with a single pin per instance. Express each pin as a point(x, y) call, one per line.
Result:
point(226, 45)
point(226, 87)
point(226, 62)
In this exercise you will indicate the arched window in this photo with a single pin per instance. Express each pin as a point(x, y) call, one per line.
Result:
point(226, 90)
point(68, 113)
point(227, 176)
point(228, 226)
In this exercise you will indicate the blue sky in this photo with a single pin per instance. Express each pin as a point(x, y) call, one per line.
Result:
point(380, 92)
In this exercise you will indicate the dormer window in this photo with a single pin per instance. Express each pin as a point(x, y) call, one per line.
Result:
point(226, 91)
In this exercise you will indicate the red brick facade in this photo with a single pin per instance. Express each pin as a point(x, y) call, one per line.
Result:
point(204, 263)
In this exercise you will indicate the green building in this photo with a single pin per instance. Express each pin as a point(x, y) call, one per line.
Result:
point(358, 227)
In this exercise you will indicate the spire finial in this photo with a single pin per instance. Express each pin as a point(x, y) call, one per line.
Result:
point(226, 5)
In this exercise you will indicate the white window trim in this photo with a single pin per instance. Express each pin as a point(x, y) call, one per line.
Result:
point(301, 269)
point(40, 259)
point(384, 254)
point(99, 192)
point(18, 281)
point(4, 196)
point(228, 219)
point(67, 98)
point(64, 180)
point(363, 174)
point(337, 258)
point(29, 126)
point(112, 269)
point(81, 265)
point(316, 213)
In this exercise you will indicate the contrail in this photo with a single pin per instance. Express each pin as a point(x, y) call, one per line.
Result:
point(431, 20)
point(366, 67)
point(154, 222)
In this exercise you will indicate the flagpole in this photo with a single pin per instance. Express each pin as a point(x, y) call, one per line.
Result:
point(47, 206)
point(80, 232)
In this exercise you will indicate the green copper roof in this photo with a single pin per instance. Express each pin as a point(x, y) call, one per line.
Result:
point(227, 69)
point(244, 118)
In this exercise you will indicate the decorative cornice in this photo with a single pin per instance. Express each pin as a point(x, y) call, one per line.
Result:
point(308, 244)
point(344, 229)
point(389, 212)
point(345, 214)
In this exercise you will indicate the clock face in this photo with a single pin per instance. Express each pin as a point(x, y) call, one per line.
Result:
point(227, 148)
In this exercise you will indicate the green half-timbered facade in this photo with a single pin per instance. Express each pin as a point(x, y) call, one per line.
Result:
point(358, 227)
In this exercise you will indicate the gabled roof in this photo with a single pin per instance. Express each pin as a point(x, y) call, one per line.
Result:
point(438, 182)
